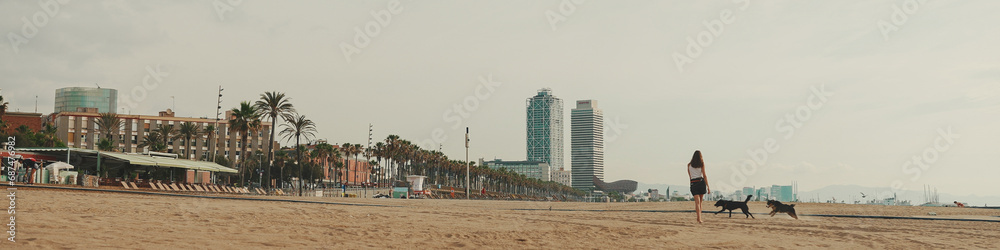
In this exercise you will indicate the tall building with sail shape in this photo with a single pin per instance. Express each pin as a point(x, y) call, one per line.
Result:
point(545, 129)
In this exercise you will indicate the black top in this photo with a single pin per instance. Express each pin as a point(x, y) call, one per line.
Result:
point(29, 163)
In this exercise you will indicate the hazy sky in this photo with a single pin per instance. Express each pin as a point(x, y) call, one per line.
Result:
point(895, 73)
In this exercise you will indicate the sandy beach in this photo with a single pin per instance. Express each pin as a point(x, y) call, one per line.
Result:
point(57, 219)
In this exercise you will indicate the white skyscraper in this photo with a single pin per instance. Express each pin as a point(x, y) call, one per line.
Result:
point(587, 144)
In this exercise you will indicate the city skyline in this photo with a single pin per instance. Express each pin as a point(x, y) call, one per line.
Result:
point(816, 92)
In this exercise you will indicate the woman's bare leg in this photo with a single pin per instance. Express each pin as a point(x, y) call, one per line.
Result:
point(697, 207)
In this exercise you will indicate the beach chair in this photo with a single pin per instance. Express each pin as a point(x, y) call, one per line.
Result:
point(188, 188)
point(133, 185)
point(198, 187)
point(153, 186)
point(173, 187)
point(125, 185)
point(261, 191)
point(215, 188)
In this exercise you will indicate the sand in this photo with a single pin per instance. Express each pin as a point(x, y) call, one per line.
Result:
point(55, 219)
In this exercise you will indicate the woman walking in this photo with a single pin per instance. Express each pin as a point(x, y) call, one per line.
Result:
point(699, 181)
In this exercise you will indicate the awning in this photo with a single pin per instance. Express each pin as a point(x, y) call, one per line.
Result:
point(142, 160)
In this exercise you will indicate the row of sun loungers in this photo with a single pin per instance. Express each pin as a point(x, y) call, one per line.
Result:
point(180, 187)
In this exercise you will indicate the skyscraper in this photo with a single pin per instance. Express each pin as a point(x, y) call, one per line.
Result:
point(545, 129)
point(587, 144)
point(71, 98)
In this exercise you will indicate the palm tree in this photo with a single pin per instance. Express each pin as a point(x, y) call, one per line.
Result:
point(298, 127)
point(166, 134)
point(49, 138)
point(154, 141)
point(209, 131)
point(188, 130)
point(273, 105)
point(3, 108)
point(324, 152)
point(280, 158)
point(244, 120)
point(356, 150)
point(108, 124)
point(346, 148)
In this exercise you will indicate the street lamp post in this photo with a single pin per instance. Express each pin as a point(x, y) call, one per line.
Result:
point(260, 171)
point(467, 165)
point(218, 112)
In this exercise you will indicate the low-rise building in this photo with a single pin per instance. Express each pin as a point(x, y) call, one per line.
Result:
point(531, 169)
point(18, 119)
point(79, 130)
point(563, 176)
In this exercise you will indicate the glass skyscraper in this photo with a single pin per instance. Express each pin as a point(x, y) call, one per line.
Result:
point(71, 98)
point(545, 129)
point(587, 144)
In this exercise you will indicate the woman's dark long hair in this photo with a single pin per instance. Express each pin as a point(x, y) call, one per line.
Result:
point(696, 160)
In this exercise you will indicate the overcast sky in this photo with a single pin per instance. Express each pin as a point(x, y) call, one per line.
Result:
point(868, 84)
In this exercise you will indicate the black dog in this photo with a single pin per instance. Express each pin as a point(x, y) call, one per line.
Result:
point(732, 205)
point(778, 207)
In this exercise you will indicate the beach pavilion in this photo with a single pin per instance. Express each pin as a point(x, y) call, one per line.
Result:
point(115, 166)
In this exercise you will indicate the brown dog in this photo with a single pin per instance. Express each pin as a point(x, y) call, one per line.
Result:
point(778, 207)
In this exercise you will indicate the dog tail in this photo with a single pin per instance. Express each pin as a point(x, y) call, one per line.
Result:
point(748, 198)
